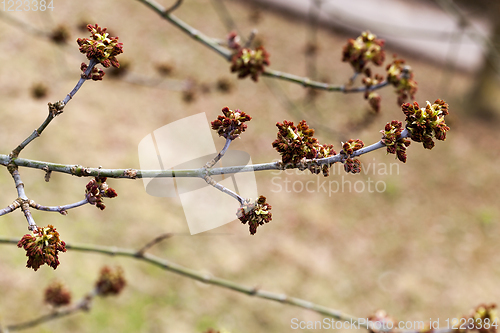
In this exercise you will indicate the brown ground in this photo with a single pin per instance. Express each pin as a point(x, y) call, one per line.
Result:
point(425, 248)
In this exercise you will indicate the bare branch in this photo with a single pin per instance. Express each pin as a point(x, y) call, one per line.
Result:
point(59, 209)
point(219, 155)
point(54, 110)
point(10, 208)
point(23, 199)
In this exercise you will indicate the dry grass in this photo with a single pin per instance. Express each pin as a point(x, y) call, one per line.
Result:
point(427, 247)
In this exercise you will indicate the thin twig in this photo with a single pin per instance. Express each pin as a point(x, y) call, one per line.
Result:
point(219, 155)
point(195, 34)
point(24, 201)
point(152, 243)
point(176, 5)
point(59, 209)
point(222, 188)
point(10, 208)
point(82, 305)
point(54, 110)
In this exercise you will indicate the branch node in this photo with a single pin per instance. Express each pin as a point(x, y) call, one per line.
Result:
point(48, 173)
point(130, 173)
point(55, 109)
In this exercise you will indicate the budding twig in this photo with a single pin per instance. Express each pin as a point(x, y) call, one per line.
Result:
point(219, 155)
point(80, 171)
point(212, 182)
point(54, 110)
point(227, 54)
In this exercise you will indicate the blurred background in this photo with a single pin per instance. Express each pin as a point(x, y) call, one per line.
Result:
point(426, 246)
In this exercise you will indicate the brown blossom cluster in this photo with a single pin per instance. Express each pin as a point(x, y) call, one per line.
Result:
point(401, 77)
point(96, 190)
point(393, 141)
point(367, 47)
point(348, 148)
point(296, 143)
point(56, 294)
point(247, 61)
point(110, 281)
point(96, 74)
point(255, 213)
point(42, 247)
point(101, 47)
point(426, 123)
point(231, 124)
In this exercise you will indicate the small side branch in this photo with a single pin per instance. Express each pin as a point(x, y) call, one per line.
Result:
point(10, 208)
point(82, 305)
point(219, 155)
point(23, 199)
point(212, 182)
point(176, 5)
point(54, 110)
point(195, 34)
point(59, 209)
point(152, 243)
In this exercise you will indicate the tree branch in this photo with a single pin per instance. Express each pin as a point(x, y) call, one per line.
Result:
point(78, 170)
point(227, 54)
point(205, 278)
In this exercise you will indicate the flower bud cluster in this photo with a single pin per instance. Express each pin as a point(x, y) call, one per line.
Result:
point(110, 281)
point(393, 141)
point(101, 47)
point(42, 247)
point(296, 143)
point(426, 123)
point(348, 148)
point(247, 61)
point(231, 124)
point(96, 190)
point(56, 294)
point(401, 77)
point(255, 213)
point(367, 47)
